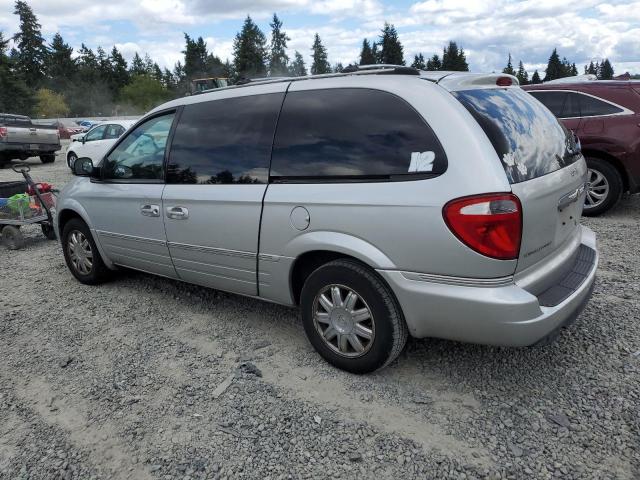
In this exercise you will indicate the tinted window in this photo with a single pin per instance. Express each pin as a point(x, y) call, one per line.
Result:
point(526, 136)
point(224, 141)
point(591, 106)
point(95, 133)
point(140, 155)
point(571, 108)
point(554, 101)
point(347, 133)
point(113, 131)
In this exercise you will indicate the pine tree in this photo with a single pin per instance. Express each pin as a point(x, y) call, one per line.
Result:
point(337, 68)
point(15, 96)
point(249, 50)
point(320, 64)
point(555, 68)
point(297, 67)
point(31, 49)
point(278, 59)
point(137, 66)
point(60, 65)
point(522, 75)
point(454, 58)
point(606, 70)
point(418, 62)
point(367, 56)
point(119, 71)
point(434, 63)
point(509, 68)
point(148, 65)
point(591, 69)
point(391, 51)
point(535, 78)
point(574, 70)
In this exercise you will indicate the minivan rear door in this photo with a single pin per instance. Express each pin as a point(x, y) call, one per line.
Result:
point(543, 163)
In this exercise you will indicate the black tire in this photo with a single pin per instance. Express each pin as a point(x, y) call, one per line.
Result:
point(48, 231)
point(12, 237)
point(98, 273)
point(70, 156)
point(611, 176)
point(49, 158)
point(386, 322)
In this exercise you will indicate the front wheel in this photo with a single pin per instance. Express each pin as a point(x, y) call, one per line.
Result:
point(351, 317)
point(81, 254)
point(604, 187)
point(71, 160)
point(49, 158)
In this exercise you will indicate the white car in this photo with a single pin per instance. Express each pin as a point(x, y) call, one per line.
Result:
point(96, 142)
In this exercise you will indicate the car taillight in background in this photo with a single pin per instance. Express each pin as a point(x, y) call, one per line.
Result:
point(490, 224)
point(3, 132)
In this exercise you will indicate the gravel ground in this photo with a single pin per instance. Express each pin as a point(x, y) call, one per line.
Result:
point(148, 378)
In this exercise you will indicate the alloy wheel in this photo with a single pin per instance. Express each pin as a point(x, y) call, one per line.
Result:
point(344, 321)
point(597, 189)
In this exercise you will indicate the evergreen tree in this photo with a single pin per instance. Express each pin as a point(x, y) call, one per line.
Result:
point(297, 67)
point(167, 80)
point(137, 66)
point(60, 65)
point(434, 63)
point(391, 51)
point(119, 71)
point(367, 56)
point(454, 58)
point(228, 70)
point(591, 69)
point(320, 64)
point(555, 68)
point(31, 49)
point(148, 65)
point(338, 68)
point(278, 59)
point(15, 96)
point(535, 78)
point(522, 75)
point(606, 70)
point(574, 70)
point(249, 50)
point(509, 68)
point(195, 57)
point(375, 52)
point(104, 65)
point(214, 66)
point(418, 62)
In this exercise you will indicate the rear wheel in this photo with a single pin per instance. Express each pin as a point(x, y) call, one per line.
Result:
point(604, 187)
point(81, 254)
point(12, 237)
point(351, 317)
point(49, 158)
point(48, 231)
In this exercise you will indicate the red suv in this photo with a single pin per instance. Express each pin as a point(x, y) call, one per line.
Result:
point(606, 117)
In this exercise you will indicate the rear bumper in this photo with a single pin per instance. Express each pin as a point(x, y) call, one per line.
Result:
point(28, 148)
point(492, 312)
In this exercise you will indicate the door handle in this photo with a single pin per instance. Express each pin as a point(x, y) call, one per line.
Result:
point(150, 210)
point(177, 213)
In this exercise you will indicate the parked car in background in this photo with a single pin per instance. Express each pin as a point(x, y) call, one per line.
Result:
point(383, 201)
point(606, 117)
point(97, 141)
point(66, 128)
point(86, 124)
point(21, 139)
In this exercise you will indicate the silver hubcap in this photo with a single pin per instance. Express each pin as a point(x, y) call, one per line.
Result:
point(80, 252)
point(344, 321)
point(597, 189)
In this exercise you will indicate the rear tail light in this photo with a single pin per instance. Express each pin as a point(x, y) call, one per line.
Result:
point(3, 132)
point(504, 82)
point(490, 224)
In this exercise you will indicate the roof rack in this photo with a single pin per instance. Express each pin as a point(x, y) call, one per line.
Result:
point(376, 69)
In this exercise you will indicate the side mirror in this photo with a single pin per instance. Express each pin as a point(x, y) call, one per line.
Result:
point(83, 139)
point(83, 167)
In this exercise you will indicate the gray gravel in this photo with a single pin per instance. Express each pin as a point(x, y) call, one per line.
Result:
point(148, 378)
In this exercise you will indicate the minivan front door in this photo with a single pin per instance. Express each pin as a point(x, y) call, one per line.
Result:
point(125, 205)
point(217, 176)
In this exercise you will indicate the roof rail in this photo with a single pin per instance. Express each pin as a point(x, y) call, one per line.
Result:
point(383, 68)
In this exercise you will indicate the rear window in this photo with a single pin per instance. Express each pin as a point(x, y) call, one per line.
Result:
point(591, 107)
point(353, 134)
point(528, 139)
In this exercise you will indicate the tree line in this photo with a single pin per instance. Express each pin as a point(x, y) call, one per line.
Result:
point(49, 80)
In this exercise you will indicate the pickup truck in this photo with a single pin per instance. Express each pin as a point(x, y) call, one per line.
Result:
point(21, 139)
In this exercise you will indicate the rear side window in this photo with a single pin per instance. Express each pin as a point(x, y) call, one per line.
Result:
point(591, 106)
point(554, 101)
point(528, 139)
point(224, 141)
point(359, 134)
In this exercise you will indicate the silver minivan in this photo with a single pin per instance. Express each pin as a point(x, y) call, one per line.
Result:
point(382, 201)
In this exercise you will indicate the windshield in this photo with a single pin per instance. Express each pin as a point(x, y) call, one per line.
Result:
point(528, 139)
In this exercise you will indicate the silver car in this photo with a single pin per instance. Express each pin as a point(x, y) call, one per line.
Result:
point(383, 202)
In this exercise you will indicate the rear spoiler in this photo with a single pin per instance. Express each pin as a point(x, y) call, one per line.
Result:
point(453, 81)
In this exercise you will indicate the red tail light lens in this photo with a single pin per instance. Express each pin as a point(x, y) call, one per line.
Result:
point(489, 224)
point(504, 82)
point(3, 132)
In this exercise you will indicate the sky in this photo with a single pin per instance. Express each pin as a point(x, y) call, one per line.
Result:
point(582, 30)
